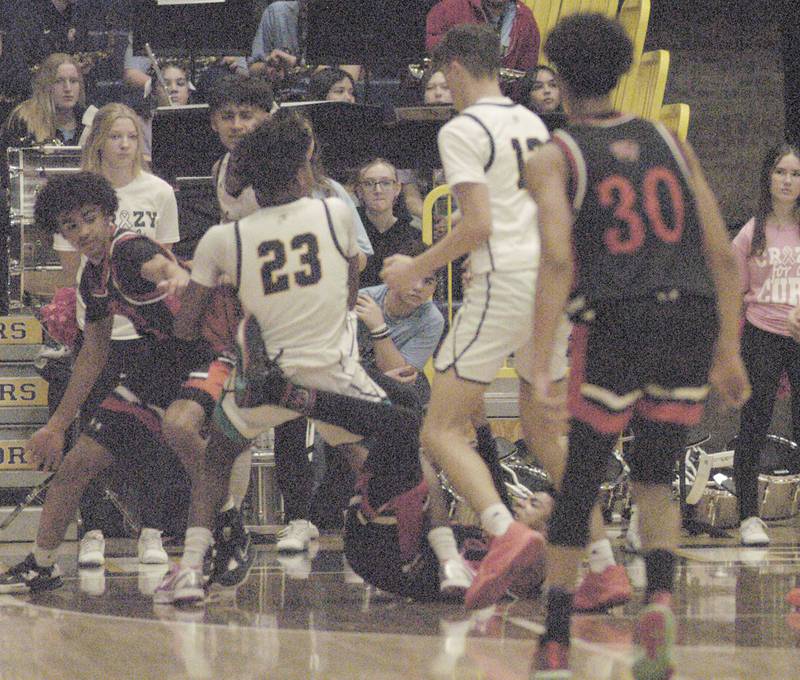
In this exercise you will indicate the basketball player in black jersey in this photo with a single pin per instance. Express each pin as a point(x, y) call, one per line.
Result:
point(633, 238)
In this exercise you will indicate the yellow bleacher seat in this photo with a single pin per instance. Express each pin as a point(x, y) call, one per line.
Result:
point(649, 85)
point(676, 118)
point(607, 7)
point(634, 17)
point(546, 14)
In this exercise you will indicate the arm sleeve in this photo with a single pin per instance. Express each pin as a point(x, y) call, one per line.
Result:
point(212, 256)
point(259, 49)
point(465, 149)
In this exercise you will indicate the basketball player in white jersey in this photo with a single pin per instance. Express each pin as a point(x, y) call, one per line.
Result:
point(483, 152)
point(294, 265)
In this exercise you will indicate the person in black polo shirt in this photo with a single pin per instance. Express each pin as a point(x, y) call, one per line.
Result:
point(378, 189)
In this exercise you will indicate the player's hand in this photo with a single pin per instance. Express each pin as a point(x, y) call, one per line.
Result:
point(46, 447)
point(368, 311)
point(729, 378)
point(534, 511)
point(176, 284)
point(403, 374)
point(399, 272)
point(551, 401)
point(794, 323)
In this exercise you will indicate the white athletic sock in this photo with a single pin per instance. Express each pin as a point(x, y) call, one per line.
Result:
point(443, 542)
point(496, 519)
point(44, 558)
point(601, 556)
point(198, 541)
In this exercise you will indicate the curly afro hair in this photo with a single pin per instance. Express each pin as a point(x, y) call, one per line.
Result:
point(590, 52)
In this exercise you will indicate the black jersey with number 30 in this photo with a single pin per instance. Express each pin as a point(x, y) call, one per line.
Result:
point(636, 229)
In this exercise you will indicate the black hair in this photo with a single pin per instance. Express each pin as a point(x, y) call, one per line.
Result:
point(270, 156)
point(522, 93)
point(322, 81)
point(475, 46)
point(764, 207)
point(65, 193)
point(240, 90)
point(590, 52)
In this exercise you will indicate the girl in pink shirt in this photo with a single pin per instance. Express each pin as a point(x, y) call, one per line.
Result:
point(768, 249)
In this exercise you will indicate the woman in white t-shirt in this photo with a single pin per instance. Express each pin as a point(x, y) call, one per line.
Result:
point(147, 205)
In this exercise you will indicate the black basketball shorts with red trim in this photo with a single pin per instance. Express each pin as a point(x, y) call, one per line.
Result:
point(648, 357)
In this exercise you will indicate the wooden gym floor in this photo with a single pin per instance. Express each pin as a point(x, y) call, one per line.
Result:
point(308, 616)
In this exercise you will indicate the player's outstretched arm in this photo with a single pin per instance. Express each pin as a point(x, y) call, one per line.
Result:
point(166, 273)
point(728, 373)
point(546, 175)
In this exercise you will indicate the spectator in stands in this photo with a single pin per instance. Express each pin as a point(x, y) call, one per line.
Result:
point(378, 188)
point(767, 248)
point(539, 90)
point(55, 110)
point(400, 329)
point(40, 28)
point(331, 84)
point(277, 43)
point(435, 89)
point(179, 88)
point(512, 20)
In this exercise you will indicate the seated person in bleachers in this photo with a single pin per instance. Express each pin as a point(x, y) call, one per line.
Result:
point(276, 44)
point(180, 89)
point(333, 85)
point(54, 113)
point(539, 91)
point(400, 329)
point(512, 20)
point(435, 89)
point(378, 188)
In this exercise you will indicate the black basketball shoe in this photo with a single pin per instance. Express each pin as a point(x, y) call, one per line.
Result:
point(233, 550)
point(29, 575)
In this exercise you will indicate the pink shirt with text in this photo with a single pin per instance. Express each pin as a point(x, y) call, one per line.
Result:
point(770, 281)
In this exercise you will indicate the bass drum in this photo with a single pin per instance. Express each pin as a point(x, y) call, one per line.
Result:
point(778, 487)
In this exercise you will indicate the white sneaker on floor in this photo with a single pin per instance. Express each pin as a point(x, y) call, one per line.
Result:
point(455, 577)
point(150, 548)
point(181, 585)
point(296, 536)
point(91, 553)
point(753, 531)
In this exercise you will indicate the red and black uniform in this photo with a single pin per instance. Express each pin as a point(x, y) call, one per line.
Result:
point(149, 384)
point(643, 304)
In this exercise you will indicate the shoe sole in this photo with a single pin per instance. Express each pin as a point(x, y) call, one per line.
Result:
point(552, 675)
point(617, 601)
point(758, 544)
point(489, 590)
point(655, 640)
point(453, 591)
point(188, 596)
point(158, 560)
point(93, 564)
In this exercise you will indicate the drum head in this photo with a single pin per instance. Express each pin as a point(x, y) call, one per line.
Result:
point(779, 456)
